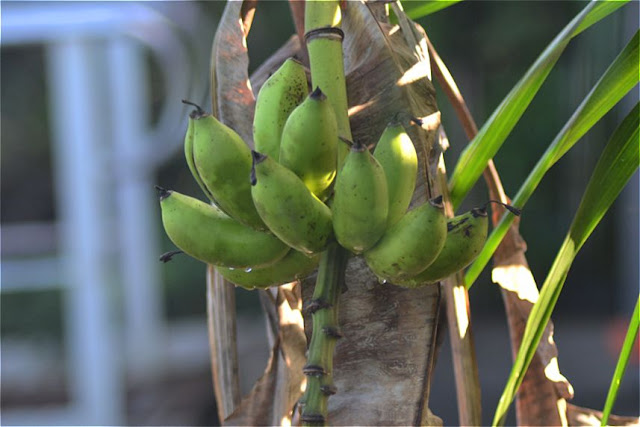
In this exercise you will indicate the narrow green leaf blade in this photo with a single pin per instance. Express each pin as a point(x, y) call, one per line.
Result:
point(494, 132)
point(621, 366)
point(416, 9)
point(621, 76)
point(602, 10)
point(617, 164)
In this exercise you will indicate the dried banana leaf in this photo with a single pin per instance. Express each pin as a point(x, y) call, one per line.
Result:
point(273, 397)
point(231, 95)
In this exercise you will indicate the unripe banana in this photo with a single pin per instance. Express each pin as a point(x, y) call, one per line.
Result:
point(309, 145)
point(188, 150)
point(290, 210)
point(295, 265)
point(361, 202)
point(278, 97)
point(223, 162)
point(207, 234)
point(397, 155)
point(466, 236)
point(410, 245)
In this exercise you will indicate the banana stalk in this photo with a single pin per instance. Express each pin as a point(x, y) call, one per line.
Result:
point(326, 332)
point(324, 44)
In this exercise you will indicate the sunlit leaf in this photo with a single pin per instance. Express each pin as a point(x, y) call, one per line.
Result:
point(621, 366)
point(617, 164)
point(492, 135)
point(603, 10)
point(616, 82)
point(416, 9)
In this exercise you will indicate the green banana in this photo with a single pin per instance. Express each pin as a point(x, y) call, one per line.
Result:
point(293, 266)
point(207, 234)
point(361, 202)
point(188, 149)
point(223, 162)
point(466, 235)
point(410, 245)
point(290, 210)
point(309, 145)
point(398, 157)
point(278, 96)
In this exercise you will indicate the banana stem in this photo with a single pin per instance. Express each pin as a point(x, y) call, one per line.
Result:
point(324, 44)
point(326, 332)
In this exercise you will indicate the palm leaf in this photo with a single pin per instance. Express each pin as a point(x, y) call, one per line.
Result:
point(616, 165)
point(490, 138)
point(616, 82)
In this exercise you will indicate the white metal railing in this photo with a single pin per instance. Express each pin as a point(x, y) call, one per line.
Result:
point(104, 155)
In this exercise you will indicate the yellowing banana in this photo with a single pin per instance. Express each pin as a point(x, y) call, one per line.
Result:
point(207, 234)
point(223, 162)
point(289, 209)
point(309, 145)
point(397, 155)
point(361, 202)
point(410, 245)
point(295, 265)
point(466, 236)
point(278, 97)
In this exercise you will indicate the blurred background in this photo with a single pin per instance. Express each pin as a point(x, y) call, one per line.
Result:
point(96, 331)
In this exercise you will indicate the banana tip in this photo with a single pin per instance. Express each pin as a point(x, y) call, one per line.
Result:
point(163, 193)
point(198, 112)
point(318, 95)
point(476, 212)
point(415, 121)
point(512, 209)
point(436, 202)
point(358, 146)
point(257, 158)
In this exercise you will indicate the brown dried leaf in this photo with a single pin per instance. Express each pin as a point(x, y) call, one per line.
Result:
point(231, 95)
point(273, 397)
point(221, 315)
point(257, 407)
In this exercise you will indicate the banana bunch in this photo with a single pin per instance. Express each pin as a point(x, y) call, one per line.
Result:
point(242, 231)
point(274, 209)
